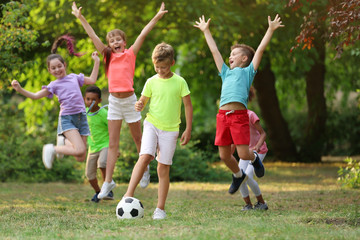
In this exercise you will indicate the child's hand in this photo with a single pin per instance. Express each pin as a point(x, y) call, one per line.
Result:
point(95, 56)
point(273, 25)
point(139, 105)
point(76, 11)
point(16, 85)
point(202, 25)
point(185, 137)
point(162, 10)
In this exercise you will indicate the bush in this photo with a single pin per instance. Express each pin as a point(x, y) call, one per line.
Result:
point(350, 175)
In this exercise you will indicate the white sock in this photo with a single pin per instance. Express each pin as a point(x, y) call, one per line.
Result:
point(238, 174)
point(252, 161)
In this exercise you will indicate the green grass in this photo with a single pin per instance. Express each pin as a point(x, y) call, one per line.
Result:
point(305, 202)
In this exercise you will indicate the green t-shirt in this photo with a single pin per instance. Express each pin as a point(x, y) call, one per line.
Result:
point(98, 125)
point(165, 101)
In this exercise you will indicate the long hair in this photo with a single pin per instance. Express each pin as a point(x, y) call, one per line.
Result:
point(70, 44)
point(107, 50)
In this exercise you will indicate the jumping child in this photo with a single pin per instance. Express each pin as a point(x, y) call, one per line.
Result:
point(119, 68)
point(232, 121)
point(166, 90)
point(72, 118)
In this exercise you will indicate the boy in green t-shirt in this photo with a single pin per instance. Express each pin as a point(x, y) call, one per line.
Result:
point(161, 127)
point(98, 141)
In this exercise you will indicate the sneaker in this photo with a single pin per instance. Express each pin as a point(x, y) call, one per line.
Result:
point(60, 141)
point(145, 180)
point(247, 207)
point(236, 183)
point(95, 198)
point(106, 189)
point(159, 214)
point(48, 155)
point(110, 196)
point(261, 206)
point(258, 166)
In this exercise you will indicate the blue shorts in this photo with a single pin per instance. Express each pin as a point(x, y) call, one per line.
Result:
point(75, 121)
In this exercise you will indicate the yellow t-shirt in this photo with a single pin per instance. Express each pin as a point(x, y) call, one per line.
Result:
point(165, 101)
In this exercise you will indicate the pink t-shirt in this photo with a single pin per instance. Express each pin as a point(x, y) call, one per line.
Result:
point(67, 89)
point(254, 133)
point(121, 71)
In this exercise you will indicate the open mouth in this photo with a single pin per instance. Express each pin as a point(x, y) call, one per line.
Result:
point(117, 48)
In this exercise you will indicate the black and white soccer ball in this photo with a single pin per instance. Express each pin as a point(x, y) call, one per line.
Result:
point(129, 208)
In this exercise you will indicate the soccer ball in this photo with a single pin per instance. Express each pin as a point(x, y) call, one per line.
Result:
point(129, 208)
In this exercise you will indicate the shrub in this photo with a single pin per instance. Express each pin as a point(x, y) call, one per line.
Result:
point(350, 175)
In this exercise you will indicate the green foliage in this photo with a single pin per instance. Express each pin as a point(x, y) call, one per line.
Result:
point(350, 175)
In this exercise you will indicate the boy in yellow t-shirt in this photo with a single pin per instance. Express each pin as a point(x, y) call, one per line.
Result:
point(161, 126)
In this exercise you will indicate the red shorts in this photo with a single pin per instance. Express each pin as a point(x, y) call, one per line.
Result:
point(232, 127)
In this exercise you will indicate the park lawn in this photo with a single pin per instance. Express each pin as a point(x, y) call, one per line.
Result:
point(305, 202)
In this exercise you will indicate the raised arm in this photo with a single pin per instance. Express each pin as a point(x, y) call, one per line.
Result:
point(186, 136)
point(204, 27)
point(140, 39)
point(99, 45)
point(94, 74)
point(40, 94)
point(273, 25)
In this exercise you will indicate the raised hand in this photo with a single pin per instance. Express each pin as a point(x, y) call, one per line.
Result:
point(162, 10)
point(202, 24)
point(276, 23)
point(76, 11)
point(95, 56)
point(16, 85)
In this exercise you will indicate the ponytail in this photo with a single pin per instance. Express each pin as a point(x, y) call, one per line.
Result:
point(70, 43)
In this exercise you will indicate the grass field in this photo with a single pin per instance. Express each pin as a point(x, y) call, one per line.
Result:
point(305, 202)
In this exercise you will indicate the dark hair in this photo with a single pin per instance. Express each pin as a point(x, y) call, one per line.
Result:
point(70, 44)
point(107, 50)
point(94, 89)
point(247, 50)
point(54, 56)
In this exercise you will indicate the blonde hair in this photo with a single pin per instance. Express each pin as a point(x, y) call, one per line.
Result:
point(163, 52)
point(247, 50)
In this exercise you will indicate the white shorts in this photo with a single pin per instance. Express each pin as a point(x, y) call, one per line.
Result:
point(156, 140)
point(123, 108)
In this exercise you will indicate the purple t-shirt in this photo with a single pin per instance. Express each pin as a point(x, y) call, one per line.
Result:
point(67, 89)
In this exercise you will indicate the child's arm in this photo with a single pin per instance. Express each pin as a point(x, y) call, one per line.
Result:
point(94, 74)
point(273, 25)
point(204, 27)
point(40, 94)
point(185, 137)
point(262, 137)
point(141, 103)
point(99, 45)
point(140, 39)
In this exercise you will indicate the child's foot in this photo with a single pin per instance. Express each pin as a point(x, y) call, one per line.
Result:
point(258, 166)
point(95, 198)
point(48, 155)
point(261, 206)
point(110, 196)
point(60, 141)
point(236, 183)
point(145, 180)
point(106, 188)
point(247, 207)
point(159, 214)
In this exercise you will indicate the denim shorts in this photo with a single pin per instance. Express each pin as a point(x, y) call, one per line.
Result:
point(75, 121)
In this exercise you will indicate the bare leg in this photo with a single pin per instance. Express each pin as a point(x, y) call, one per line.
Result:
point(227, 157)
point(244, 152)
point(103, 173)
point(77, 148)
point(135, 130)
point(164, 183)
point(137, 173)
point(114, 127)
point(95, 185)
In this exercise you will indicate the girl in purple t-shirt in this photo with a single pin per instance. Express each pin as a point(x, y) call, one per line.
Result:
point(72, 118)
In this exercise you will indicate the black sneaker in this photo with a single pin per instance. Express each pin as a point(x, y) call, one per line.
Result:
point(236, 183)
point(95, 198)
point(247, 207)
point(110, 196)
point(261, 206)
point(258, 166)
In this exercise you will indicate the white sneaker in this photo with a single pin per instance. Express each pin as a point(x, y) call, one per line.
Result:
point(60, 141)
point(145, 180)
point(106, 188)
point(159, 214)
point(48, 155)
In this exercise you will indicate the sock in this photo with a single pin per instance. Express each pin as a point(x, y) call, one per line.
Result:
point(255, 155)
point(238, 174)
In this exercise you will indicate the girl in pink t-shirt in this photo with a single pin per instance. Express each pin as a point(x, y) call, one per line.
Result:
point(72, 118)
point(119, 68)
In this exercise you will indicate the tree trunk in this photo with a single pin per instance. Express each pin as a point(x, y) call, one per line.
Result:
point(314, 139)
point(277, 129)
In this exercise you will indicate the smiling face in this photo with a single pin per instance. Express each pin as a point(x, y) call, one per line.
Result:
point(237, 58)
point(57, 68)
point(89, 98)
point(117, 44)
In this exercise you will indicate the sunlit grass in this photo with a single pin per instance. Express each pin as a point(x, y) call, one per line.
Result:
point(305, 202)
